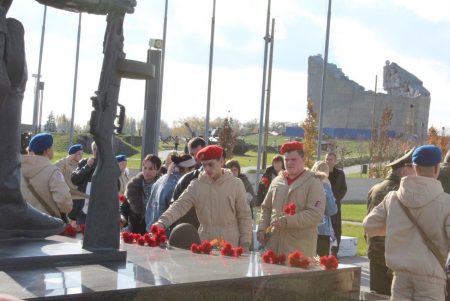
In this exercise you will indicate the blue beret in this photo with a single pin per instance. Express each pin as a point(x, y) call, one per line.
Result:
point(40, 142)
point(121, 158)
point(75, 148)
point(427, 155)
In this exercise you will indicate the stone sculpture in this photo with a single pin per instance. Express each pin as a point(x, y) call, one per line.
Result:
point(398, 81)
point(17, 218)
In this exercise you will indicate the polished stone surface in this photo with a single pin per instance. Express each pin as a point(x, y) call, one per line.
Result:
point(55, 251)
point(160, 274)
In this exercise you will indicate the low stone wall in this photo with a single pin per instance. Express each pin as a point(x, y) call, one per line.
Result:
point(357, 189)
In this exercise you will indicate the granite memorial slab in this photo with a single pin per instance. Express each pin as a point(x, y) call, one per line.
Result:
point(175, 274)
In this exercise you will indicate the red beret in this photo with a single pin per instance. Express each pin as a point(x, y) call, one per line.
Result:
point(291, 146)
point(210, 152)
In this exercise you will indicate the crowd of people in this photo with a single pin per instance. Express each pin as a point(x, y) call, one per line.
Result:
point(198, 196)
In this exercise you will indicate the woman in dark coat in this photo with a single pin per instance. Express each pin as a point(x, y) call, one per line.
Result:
point(235, 168)
point(137, 193)
point(270, 173)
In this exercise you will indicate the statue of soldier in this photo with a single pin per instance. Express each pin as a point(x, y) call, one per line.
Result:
point(17, 218)
point(380, 275)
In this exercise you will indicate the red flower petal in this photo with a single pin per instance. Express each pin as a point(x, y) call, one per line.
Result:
point(152, 242)
point(206, 247)
point(266, 258)
point(281, 258)
point(122, 198)
point(154, 229)
point(141, 241)
point(238, 251)
point(70, 230)
point(195, 248)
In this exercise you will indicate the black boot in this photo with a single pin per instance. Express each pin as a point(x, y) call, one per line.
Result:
point(17, 218)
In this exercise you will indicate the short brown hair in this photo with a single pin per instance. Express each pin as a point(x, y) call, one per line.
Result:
point(154, 159)
point(195, 142)
point(233, 163)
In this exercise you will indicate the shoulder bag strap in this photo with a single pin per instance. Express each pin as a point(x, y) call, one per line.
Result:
point(427, 241)
point(40, 200)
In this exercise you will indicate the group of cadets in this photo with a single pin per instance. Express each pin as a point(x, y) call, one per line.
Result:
point(201, 193)
point(199, 189)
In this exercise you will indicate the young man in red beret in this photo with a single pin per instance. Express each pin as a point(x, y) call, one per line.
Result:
point(285, 233)
point(219, 200)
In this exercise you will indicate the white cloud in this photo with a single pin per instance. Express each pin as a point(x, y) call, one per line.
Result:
point(431, 10)
point(360, 51)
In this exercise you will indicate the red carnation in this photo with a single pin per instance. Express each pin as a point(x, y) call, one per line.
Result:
point(265, 181)
point(154, 229)
point(127, 237)
point(297, 259)
point(266, 258)
point(161, 239)
point(161, 231)
point(70, 230)
point(195, 248)
point(136, 236)
point(281, 258)
point(289, 209)
point(122, 198)
point(271, 257)
point(141, 241)
point(206, 247)
point(238, 251)
point(82, 227)
point(152, 242)
point(329, 262)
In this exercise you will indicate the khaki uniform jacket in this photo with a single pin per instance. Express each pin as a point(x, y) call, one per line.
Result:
point(48, 182)
point(406, 251)
point(123, 181)
point(299, 231)
point(67, 166)
point(221, 209)
point(444, 176)
point(376, 246)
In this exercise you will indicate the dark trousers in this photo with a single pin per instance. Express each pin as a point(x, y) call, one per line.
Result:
point(380, 278)
point(323, 245)
point(336, 222)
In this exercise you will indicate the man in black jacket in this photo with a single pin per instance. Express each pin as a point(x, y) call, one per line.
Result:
point(339, 187)
point(82, 177)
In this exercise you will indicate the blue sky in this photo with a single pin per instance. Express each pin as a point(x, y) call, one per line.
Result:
point(364, 34)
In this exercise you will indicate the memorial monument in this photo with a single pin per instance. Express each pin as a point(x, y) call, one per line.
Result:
point(17, 218)
point(350, 110)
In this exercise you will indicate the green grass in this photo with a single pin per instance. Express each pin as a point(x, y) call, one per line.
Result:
point(353, 212)
point(358, 232)
point(357, 175)
point(249, 159)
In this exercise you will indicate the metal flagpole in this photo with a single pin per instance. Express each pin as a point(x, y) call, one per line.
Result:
point(269, 87)
point(263, 92)
point(75, 81)
point(324, 74)
point(38, 78)
point(163, 53)
point(211, 52)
